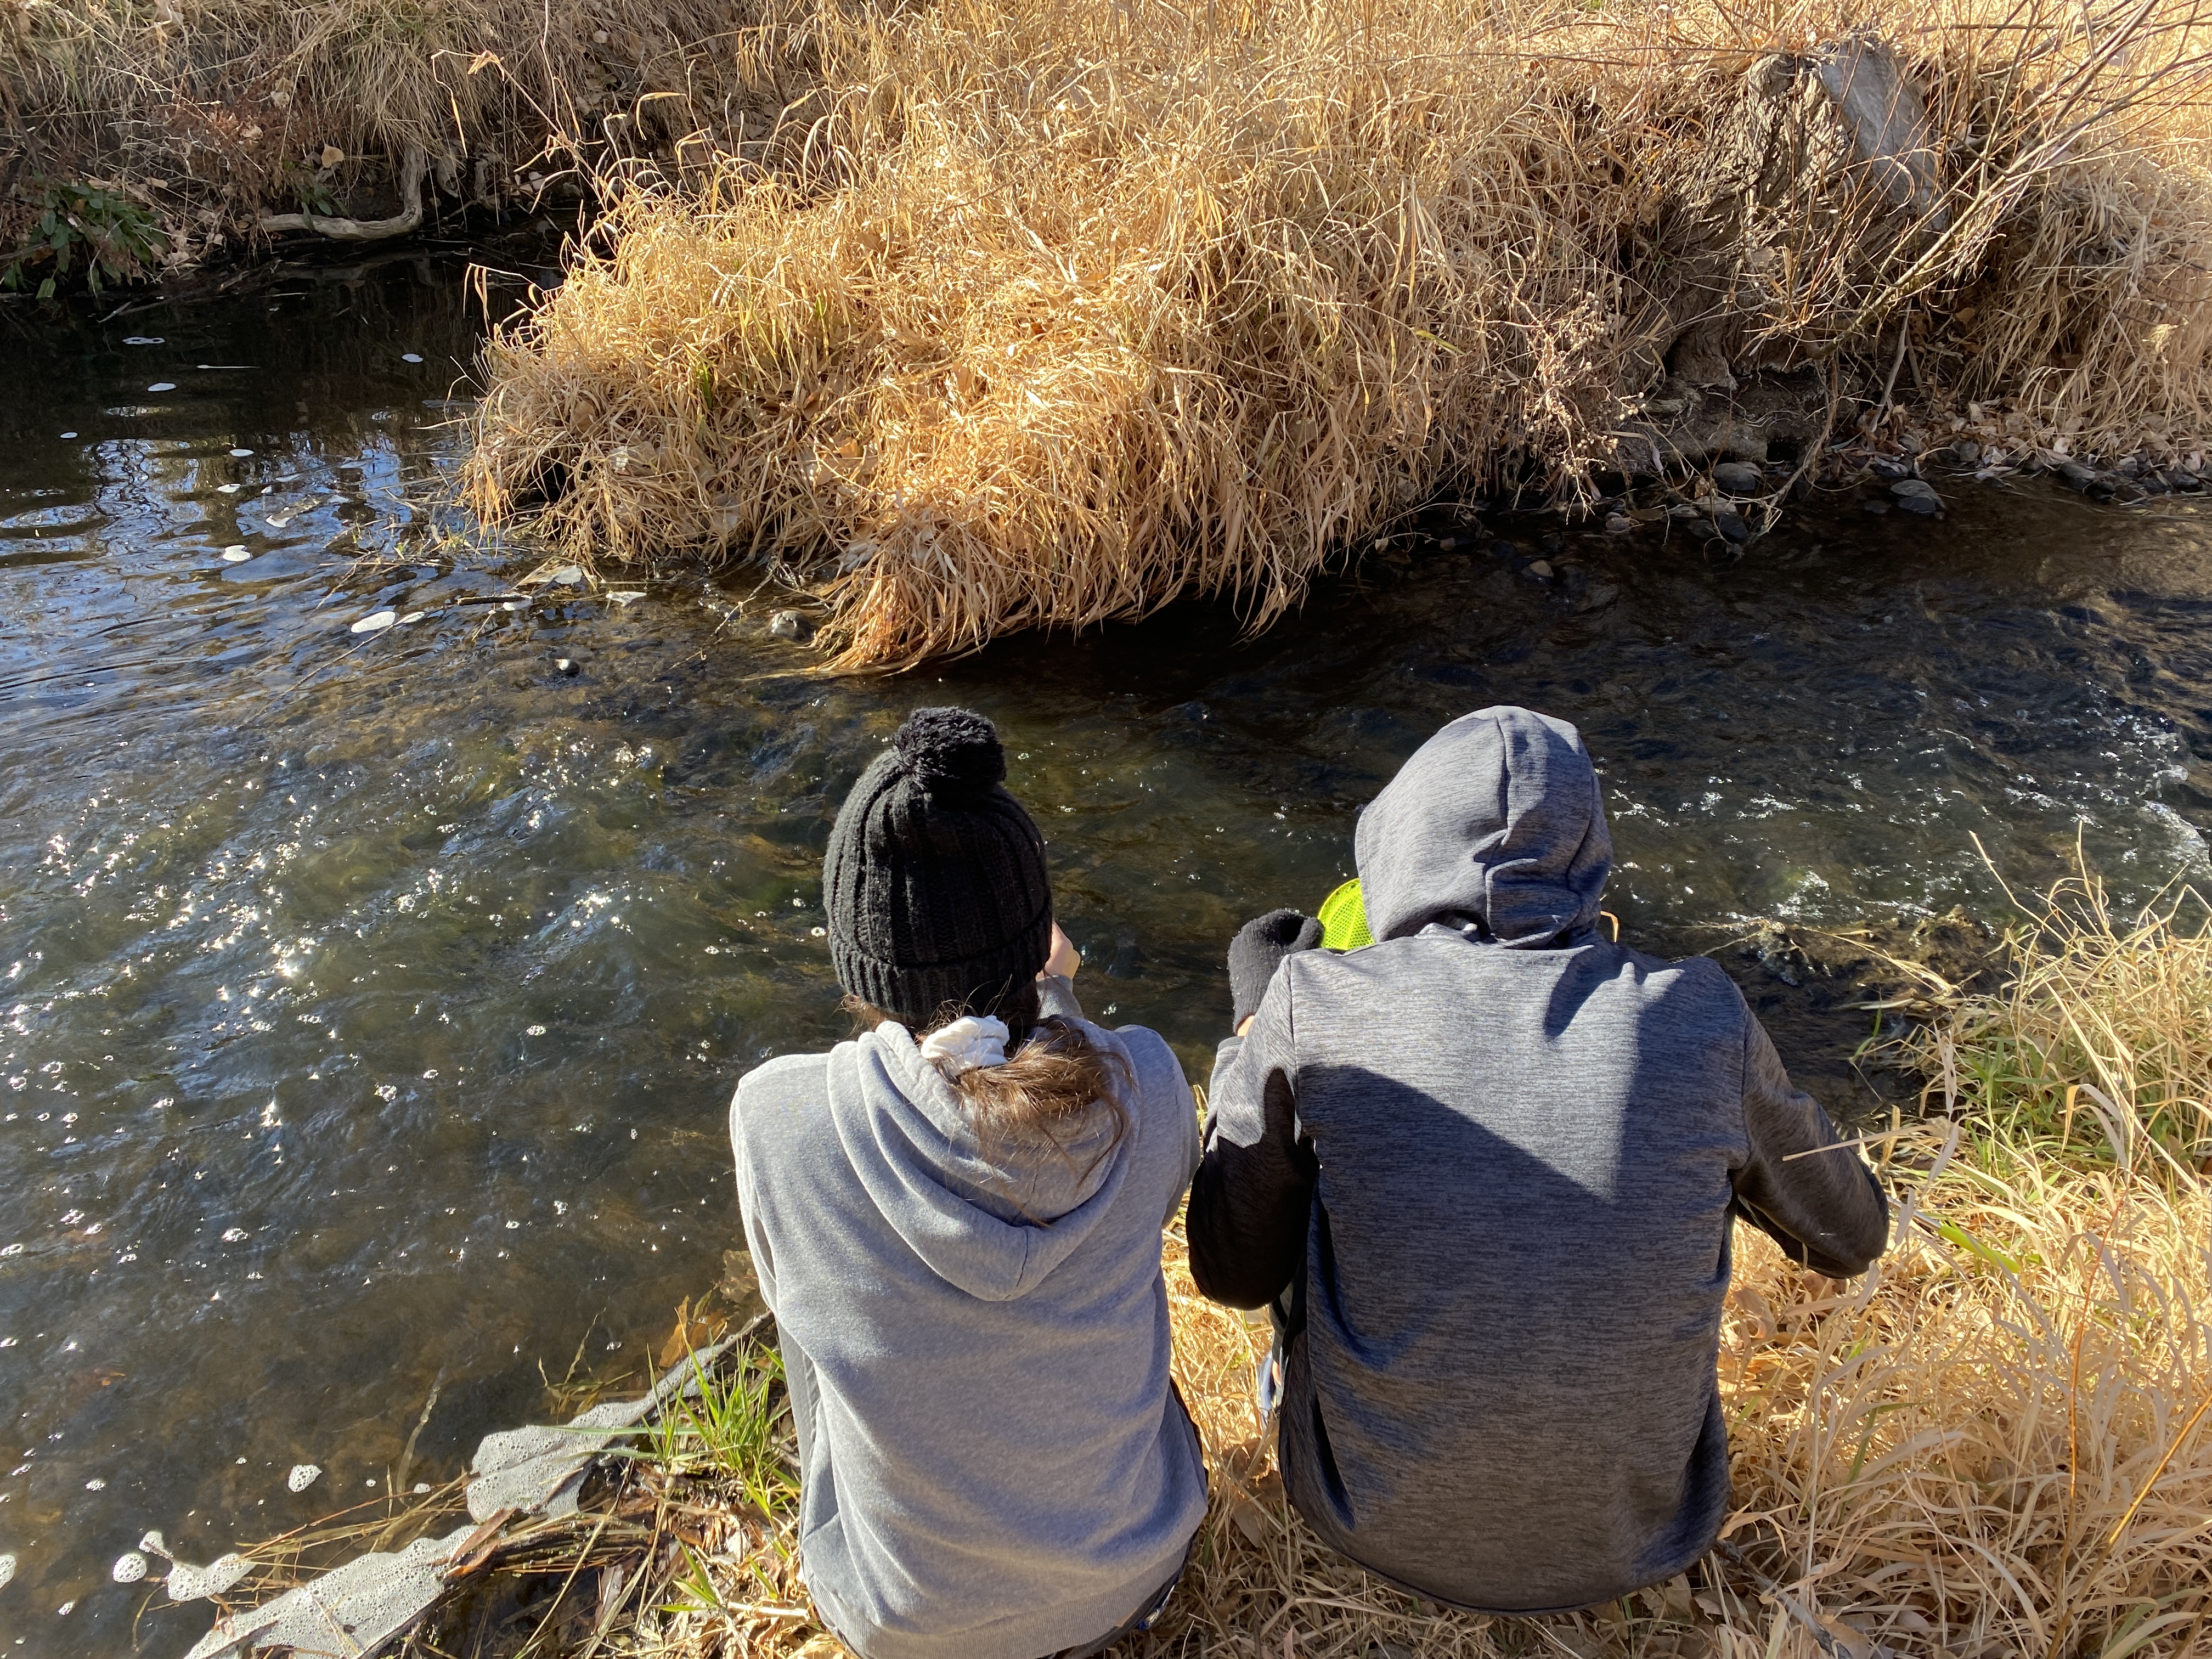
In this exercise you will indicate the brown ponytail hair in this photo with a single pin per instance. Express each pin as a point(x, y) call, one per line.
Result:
point(1053, 1079)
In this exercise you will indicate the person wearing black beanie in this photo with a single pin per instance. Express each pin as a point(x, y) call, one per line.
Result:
point(955, 1218)
point(935, 880)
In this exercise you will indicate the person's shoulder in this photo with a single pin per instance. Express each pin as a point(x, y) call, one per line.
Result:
point(779, 1089)
point(1153, 1064)
point(1694, 978)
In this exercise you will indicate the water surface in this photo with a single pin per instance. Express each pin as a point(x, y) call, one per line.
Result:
point(371, 1001)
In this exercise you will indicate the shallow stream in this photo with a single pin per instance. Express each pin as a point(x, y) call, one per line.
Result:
point(369, 1001)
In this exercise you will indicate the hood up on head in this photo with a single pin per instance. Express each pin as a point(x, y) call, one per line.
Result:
point(1494, 820)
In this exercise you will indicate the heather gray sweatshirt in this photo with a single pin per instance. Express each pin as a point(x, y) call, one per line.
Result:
point(1491, 1161)
point(994, 1466)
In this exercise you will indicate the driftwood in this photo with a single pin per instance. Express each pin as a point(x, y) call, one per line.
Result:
point(408, 217)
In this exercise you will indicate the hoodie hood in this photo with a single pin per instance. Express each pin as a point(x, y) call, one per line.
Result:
point(1495, 820)
point(995, 1229)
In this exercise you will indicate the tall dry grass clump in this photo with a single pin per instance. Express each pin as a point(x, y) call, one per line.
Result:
point(1065, 308)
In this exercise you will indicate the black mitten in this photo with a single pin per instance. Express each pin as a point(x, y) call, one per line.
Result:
point(1258, 950)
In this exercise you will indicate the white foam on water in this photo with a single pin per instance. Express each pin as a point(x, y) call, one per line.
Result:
point(130, 1567)
point(237, 553)
point(241, 454)
point(376, 621)
point(409, 357)
point(143, 339)
point(303, 1476)
point(162, 385)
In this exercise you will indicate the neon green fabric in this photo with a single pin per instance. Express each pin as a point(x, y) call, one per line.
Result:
point(1344, 919)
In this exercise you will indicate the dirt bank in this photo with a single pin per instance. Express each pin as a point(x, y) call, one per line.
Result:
point(1068, 308)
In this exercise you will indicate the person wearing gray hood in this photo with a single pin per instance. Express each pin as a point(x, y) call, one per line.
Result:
point(1485, 1170)
point(956, 1217)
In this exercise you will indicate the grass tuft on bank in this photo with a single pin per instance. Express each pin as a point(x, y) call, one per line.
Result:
point(1065, 309)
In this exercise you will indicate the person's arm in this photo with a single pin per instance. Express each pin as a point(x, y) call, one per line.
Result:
point(1804, 1188)
point(1254, 1189)
point(748, 1206)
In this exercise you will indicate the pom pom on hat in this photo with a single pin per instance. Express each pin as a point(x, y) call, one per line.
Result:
point(950, 751)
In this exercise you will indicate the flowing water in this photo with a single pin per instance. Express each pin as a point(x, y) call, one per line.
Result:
point(371, 1000)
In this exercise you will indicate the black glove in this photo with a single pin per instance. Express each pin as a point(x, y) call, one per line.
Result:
point(1258, 950)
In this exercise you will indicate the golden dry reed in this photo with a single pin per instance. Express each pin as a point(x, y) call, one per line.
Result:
point(1062, 308)
point(1994, 1444)
point(208, 110)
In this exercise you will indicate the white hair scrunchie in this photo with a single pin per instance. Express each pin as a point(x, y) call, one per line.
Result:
point(966, 1043)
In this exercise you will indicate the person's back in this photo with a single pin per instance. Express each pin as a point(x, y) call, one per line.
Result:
point(959, 1236)
point(1493, 1158)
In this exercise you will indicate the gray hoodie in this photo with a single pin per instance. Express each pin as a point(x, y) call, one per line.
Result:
point(994, 1465)
point(1489, 1164)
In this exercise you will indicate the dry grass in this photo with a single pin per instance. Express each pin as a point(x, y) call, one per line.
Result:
point(1067, 307)
point(1994, 1444)
point(213, 110)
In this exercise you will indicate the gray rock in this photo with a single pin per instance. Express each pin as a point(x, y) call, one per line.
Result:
point(356, 1609)
point(1928, 504)
point(1615, 525)
point(1539, 569)
point(788, 625)
point(2077, 476)
point(1737, 478)
point(1875, 506)
point(1967, 451)
point(1599, 596)
point(1731, 525)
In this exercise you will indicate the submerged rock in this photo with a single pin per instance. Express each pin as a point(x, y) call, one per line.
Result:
point(1739, 479)
point(788, 625)
point(1916, 496)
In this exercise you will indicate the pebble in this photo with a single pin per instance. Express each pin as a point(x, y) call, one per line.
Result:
point(1967, 451)
point(1916, 496)
point(1615, 525)
point(1540, 568)
point(788, 625)
point(1731, 525)
point(1739, 479)
point(564, 664)
point(1600, 596)
point(1875, 507)
point(2077, 474)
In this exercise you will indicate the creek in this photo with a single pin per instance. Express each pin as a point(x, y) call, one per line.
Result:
point(369, 1001)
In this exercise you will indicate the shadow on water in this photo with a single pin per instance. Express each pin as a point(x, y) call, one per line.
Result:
point(371, 1001)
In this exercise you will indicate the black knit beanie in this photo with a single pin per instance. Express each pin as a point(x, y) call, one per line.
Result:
point(935, 880)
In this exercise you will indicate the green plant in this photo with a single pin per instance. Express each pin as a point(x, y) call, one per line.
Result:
point(727, 1426)
point(116, 238)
